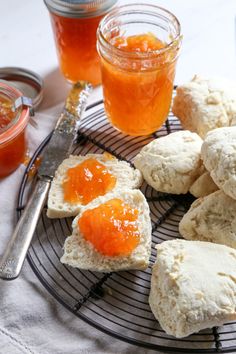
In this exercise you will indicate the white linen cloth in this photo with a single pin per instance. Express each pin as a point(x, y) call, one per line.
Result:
point(31, 321)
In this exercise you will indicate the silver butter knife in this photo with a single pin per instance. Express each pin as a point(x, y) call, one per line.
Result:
point(56, 151)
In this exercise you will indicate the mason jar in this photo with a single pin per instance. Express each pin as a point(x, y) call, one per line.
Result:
point(13, 123)
point(138, 46)
point(74, 26)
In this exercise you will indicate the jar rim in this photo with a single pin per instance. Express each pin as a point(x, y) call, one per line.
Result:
point(136, 54)
point(79, 8)
point(21, 120)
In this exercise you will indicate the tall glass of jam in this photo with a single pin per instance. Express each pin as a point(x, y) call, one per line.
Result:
point(13, 124)
point(139, 46)
point(74, 24)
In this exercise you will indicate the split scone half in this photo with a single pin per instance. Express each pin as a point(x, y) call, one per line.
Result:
point(212, 218)
point(219, 157)
point(121, 172)
point(193, 286)
point(171, 163)
point(205, 104)
point(105, 250)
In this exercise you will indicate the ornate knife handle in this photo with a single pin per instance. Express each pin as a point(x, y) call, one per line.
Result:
point(13, 258)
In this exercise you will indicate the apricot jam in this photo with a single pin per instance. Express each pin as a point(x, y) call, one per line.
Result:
point(76, 48)
point(87, 181)
point(12, 131)
point(138, 69)
point(142, 43)
point(74, 26)
point(111, 228)
point(6, 112)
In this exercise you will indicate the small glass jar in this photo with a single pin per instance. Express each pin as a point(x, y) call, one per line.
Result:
point(74, 26)
point(13, 124)
point(138, 84)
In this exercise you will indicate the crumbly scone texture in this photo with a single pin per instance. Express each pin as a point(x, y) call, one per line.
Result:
point(212, 219)
point(193, 286)
point(219, 157)
point(171, 163)
point(127, 177)
point(204, 185)
point(205, 104)
point(80, 253)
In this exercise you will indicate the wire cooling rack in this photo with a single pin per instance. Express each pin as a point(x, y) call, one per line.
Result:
point(116, 303)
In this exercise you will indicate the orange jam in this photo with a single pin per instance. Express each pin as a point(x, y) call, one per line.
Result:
point(12, 132)
point(6, 112)
point(76, 47)
point(111, 228)
point(87, 181)
point(142, 43)
point(137, 92)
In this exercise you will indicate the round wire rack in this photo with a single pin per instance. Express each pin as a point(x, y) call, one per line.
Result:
point(115, 303)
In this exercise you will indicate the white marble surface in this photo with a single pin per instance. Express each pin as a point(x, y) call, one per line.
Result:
point(30, 320)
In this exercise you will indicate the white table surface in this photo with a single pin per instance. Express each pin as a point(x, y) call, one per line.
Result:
point(30, 320)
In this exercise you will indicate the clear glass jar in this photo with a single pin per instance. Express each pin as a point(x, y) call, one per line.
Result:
point(13, 124)
point(138, 83)
point(74, 26)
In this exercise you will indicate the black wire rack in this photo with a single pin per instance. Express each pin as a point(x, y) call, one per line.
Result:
point(116, 303)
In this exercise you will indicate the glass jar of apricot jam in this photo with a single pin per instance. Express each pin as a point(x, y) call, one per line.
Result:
point(74, 24)
point(138, 46)
point(13, 124)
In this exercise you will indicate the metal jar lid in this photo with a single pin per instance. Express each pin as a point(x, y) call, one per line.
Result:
point(79, 8)
point(26, 81)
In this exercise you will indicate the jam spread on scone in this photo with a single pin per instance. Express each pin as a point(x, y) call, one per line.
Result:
point(111, 227)
point(87, 181)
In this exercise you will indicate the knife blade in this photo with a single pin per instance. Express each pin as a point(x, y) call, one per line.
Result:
point(65, 131)
point(56, 151)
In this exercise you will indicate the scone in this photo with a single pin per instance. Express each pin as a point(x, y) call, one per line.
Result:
point(204, 185)
point(212, 218)
point(171, 163)
point(101, 174)
point(205, 104)
point(193, 286)
point(219, 157)
point(104, 243)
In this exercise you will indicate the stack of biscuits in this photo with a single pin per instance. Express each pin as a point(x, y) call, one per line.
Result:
point(193, 283)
